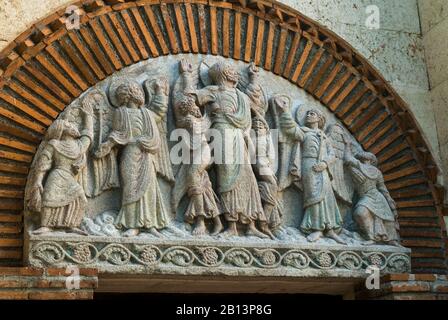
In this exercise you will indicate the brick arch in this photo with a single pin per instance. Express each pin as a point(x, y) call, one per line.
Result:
point(48, 66)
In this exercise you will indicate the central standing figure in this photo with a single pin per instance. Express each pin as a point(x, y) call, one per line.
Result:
point(230, 114)
point(135, 130)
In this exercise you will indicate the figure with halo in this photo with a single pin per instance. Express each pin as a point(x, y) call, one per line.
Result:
point(321, 213)
point(135, 131)
point(230, 115)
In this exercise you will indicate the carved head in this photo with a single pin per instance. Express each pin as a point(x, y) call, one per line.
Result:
point(93, 100)
point(367, 158)
point(315, 116)
point(61, 128)
point(130, 94)
point(223, 73)
point(187, 105)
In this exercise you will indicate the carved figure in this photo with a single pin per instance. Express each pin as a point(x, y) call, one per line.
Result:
point(101, 174)
point(264, 151)
point(135, 131)
point(321, 212)
point(375, 212)
point(230, 114)
point(53, 189)
point(192, 177)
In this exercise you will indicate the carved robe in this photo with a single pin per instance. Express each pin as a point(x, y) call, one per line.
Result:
point(321, 212)
point(142, 205)
point(372, 192)
point(63, 199)
point(229, 110)
point(101, 174)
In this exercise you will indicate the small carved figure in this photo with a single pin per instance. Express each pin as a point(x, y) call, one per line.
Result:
point(321, 212)
point(375, 212)
point(192, 177)
point(264, 151)
point(230, 114)
point(101, 174)
point(136, 132)
point(53, 189)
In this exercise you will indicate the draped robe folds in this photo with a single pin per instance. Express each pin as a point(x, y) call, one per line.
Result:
point(101, 174)
point(192, 178)
point(229, 110)
point(370, 187)
point(159, 106)
point(321, 212)
point(63, 199)
point(137, 132)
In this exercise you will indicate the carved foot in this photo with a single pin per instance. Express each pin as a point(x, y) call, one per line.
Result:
point(313, 237)
point(395, 243)
point(156, 233)
point(265, 229)
point(252, 231)
point(231, 231)
point(199, 228)
point(78, 231)
point(131, 233)
point(332, 235)
point(218, 227)
point(369, 243)
point(42, 230)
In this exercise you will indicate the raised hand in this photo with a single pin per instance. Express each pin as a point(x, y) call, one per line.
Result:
point(185, 66)
point(162, 86)
point(319, 167)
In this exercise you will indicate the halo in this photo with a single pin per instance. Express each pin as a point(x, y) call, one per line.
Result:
point(94, 91)
point(115, 83)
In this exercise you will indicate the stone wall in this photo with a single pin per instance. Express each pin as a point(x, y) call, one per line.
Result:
point(395, 49)
point(46, 284)
point(407, 287)
point(434, 21)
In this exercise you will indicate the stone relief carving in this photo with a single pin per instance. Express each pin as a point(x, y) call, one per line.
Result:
point(53, 188)
point(251, 173)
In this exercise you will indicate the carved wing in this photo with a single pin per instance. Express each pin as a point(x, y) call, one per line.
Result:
point(342, 182)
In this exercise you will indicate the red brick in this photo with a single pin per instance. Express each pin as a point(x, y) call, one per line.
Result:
point(11, 254)
point(88, 272)
point(44, 283)
point(57, 272)
point(11, 271)
point(60, 295)
point(13, 295)
point(12, 284)
point(410, 287)
point(425, 277)
point(443, 288)
point(396, 277)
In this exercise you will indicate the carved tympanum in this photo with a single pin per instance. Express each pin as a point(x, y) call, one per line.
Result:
point(250, 169)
